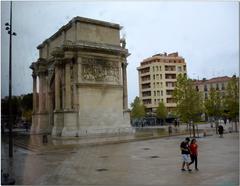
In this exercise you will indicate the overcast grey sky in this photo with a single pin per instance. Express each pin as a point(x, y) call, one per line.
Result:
point(205, 33)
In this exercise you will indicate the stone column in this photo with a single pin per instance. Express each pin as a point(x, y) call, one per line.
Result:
point(34, 93)
point(57, 88)
point(40, 98)
point(68, 94)
point(44, 100)
point(125, 94)
point(75, 94)
point(46, 94)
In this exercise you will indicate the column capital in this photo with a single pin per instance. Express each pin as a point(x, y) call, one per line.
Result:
point(124, 64)
point(67, 60)
point(34, 75)
point(58, 61)
point(42, 73)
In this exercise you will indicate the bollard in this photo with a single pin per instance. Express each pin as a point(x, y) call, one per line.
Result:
point(45, 139)
point(169, 130)
point(204, 133)
point(5, 180)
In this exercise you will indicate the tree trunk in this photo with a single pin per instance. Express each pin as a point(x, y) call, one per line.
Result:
point(197, 131)
point(194, 130)
point(190, 131)
point(216, 125)
point(236, 127)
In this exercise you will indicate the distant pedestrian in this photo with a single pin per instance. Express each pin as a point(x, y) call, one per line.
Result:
point(194, 153)
point(220, 131)
point(169, 130)
point(175, 123)
point(2, 128)
point(185, 151)
point(225, 120)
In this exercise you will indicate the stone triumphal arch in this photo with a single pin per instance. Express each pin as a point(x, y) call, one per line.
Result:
point(80, 80)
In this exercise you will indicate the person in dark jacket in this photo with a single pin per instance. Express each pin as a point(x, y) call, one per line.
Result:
point(185, 154)
point(220, 131)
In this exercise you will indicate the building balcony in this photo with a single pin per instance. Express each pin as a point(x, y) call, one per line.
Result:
point(170, 104)
point(146, 97)
point(145, 81)
point(145, 73)
point(170, 80)
point(169, 96)
point(148, 105)
point(168, 71)
point(146, 89)
point(170, 88)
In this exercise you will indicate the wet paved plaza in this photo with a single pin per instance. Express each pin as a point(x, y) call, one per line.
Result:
point(148, 162)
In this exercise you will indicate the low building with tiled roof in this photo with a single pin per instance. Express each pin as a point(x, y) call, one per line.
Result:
point(218, 83)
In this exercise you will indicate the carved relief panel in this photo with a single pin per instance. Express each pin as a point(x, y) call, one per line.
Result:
point(100, 70)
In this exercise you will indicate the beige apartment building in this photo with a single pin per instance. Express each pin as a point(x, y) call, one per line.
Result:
point(157, 80)
point(218, 83)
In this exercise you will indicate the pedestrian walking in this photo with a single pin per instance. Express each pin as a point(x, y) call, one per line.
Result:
point(185, 151)
point(194, 153)
point(169, 130)
point(220, 131)
point(175, 123)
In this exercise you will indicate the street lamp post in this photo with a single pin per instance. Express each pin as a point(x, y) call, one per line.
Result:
point(10, 121)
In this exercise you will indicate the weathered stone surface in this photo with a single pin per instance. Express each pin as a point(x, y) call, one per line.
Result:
point(83, 80)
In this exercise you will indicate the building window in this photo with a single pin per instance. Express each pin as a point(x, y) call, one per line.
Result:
point(217, 88)
point(158, 93)
point(197, 88)
point(223, 87)
point(147, 101)
point(157, 68)
point(205, 88)
point(153, 85)
point(160, 68)
point(161, 93)
point(154, 93)
point(179, 69)
point(160, 76)
point(145, 94)
point(170, 100)
point(153, 69)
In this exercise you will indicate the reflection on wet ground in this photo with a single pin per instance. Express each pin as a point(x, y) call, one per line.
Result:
point(148, 162)
point(35, 142)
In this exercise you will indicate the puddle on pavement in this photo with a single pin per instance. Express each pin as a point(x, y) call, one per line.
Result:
point(103, 156)
point(146, 148)
point(154, 156)
point(145, 132)
point(101, 170)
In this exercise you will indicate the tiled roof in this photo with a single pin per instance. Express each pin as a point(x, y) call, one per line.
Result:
point(213, 80)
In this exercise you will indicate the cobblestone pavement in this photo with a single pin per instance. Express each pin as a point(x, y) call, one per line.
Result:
point(148, 162)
